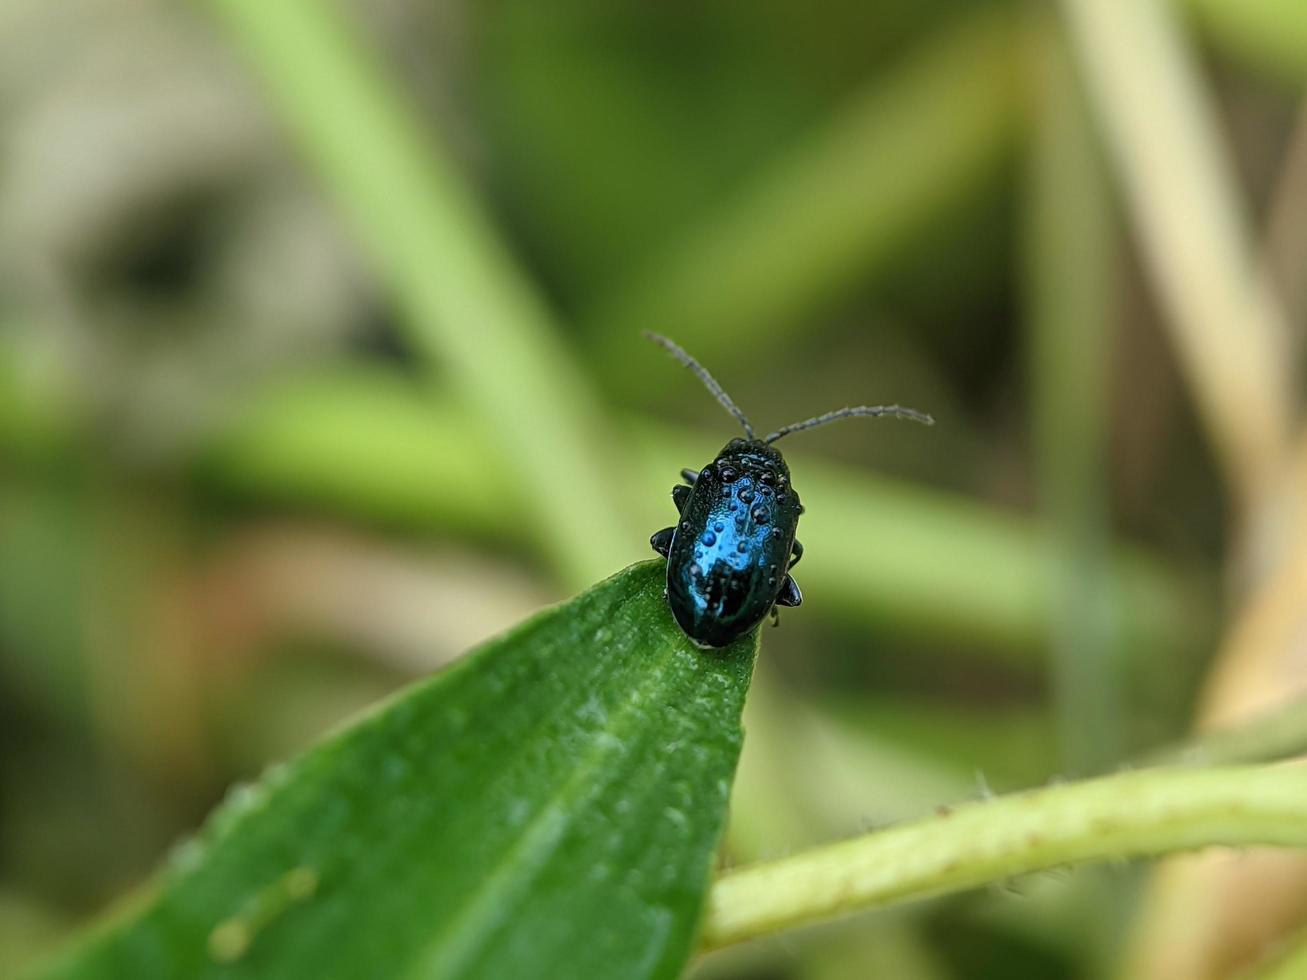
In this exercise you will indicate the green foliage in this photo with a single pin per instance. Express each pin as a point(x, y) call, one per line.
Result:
point(549, 806)
point(1270, 35)
point(821, 207)
point(464, 304)
point(824, 216)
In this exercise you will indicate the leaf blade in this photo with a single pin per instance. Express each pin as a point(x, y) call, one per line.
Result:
point(549, 806)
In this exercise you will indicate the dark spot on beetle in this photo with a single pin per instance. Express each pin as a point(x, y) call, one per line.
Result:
point(706, 473)
point(801, 508)
point(742, 547)
point(777, 533)
point(767, 476)
point(685, 525)
point(781, 498)
point(760, 515)
point(727, 474)
point(695, 571)
point(771, 568)
point(746, 495)
point(734, 506)
point(771, 580)
point(709, 538)
point(718, 527)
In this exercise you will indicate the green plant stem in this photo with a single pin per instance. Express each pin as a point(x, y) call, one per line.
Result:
point(465, 303)
point(1132, 815)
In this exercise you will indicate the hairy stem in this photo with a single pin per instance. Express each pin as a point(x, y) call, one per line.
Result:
point(1131, 815)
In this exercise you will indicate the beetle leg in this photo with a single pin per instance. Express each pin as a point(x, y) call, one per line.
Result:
point(680, 495)
point(790, 594)
point(662, 541)
point(796, 554)
point(775, 617)
point(689, 476)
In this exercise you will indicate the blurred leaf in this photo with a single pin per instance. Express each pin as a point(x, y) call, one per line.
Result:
point(34, 412)
point(43, 589)
point(805, 778)
point(1000, 746)
point(548, 807)
point(678, 101)
point(833, 207)
point(465, 302)
point(27, 927)
point(364, 442)
point(813, 770)
point(1271, 34)
point(891, 948)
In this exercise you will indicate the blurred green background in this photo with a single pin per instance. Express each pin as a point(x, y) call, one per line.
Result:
point(320, 361)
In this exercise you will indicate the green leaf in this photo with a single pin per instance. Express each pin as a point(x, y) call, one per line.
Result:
point(548, 807)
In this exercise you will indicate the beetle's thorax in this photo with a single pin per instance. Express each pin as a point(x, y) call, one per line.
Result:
point(752, 457)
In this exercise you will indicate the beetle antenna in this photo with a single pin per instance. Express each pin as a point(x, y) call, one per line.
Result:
point(702, 374)
point(867, 411)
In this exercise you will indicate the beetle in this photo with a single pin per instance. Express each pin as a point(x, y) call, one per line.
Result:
point(730, 555)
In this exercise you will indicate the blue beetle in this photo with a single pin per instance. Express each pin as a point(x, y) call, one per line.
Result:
point(729, 557)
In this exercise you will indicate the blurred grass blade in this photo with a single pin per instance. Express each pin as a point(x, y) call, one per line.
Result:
point(836, 205)
point(1070, 297)
point(1229, 333)
point(1271, 34)
point(465, 302)
point(548, 807)
point(370, 444)
point(1285, 234)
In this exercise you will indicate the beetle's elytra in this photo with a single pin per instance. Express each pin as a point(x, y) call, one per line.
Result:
point(729, 556)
